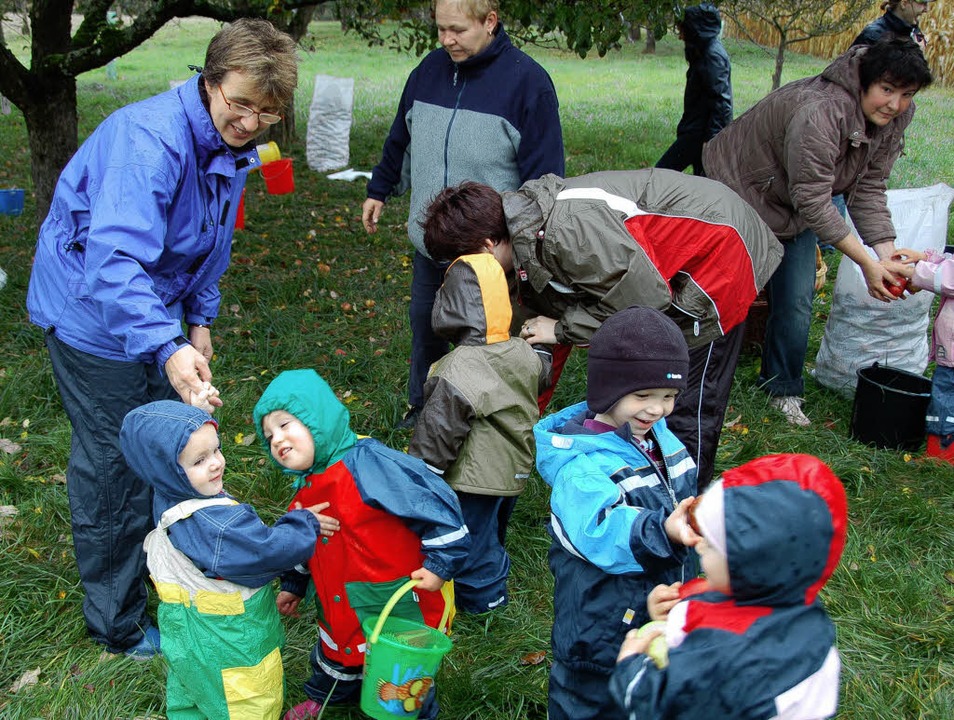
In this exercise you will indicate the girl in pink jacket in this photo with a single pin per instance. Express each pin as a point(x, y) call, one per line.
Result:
point(935, 272)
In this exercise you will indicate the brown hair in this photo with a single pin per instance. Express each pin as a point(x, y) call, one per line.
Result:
point(461, 218)
point(259, 51)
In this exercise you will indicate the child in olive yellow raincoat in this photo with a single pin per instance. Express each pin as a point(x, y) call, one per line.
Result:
point(212, 560)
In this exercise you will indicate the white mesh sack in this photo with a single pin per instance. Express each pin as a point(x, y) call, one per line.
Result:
point(329, 123)
point(861, 330)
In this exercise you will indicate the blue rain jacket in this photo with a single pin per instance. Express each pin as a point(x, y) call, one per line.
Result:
point(228, 542)
point(610, 548)
point(139, 230)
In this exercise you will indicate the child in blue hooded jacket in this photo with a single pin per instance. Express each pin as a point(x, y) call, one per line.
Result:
point(622, 485)
point(751, 641)
point(212, 559)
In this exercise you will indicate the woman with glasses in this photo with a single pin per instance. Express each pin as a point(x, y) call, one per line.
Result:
point(138, 234)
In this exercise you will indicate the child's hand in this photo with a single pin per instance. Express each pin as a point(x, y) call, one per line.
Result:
point(908, 256)
point(206, 399)
point(661, 600)
point(429, 581)
point(634, 643)
point(677, 525)
point(329, 525)
point(287, 603)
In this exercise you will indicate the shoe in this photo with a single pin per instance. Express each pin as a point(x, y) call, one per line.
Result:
point(148, 646)
point(410, 419)
point(304, 711)
point(941, 447)
point(791, 407)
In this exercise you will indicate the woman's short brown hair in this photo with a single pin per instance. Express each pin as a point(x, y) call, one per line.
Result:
point(461, 218)
point(262, 53)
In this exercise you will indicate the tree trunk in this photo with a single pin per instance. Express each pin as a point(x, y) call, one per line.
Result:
point(779, 62)
point(52, 131)
point(650, 48)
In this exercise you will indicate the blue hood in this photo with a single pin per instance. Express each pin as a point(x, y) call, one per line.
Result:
point(152, 438)
point(785, 526)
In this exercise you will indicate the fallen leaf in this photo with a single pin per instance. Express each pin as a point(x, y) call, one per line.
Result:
point(8, 446)
point(534, 658)
point(733, 421)
point(949, 576)
point(8, 511)
point(30, 677)
point(248, 440)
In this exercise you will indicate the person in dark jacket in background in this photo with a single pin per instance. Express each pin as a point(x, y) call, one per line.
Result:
point(707, 102)
point(476, 108)
point(900, 18)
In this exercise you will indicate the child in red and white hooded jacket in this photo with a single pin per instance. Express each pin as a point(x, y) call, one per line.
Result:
point(751, 641)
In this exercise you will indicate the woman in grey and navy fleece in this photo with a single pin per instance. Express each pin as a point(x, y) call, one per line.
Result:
point(475, 109)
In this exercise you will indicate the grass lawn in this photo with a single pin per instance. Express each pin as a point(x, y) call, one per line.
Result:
point(308, 288)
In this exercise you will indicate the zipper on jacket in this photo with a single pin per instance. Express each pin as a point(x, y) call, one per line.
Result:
point(450, 125)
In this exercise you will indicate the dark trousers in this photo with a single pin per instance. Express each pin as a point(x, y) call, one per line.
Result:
point(700, 409)
point(685, 151)
point(110, 508)
point(580, 695)
point(426, 347)
point(481, 584)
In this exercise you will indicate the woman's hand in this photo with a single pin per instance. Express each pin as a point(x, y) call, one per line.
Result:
point(187, 371)
point(201, 339)
point(370, 214)
point(539, 330)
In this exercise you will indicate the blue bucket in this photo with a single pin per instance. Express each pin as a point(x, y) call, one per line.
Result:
point(11, 201)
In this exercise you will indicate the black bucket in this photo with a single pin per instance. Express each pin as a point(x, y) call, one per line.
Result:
point(889, 409)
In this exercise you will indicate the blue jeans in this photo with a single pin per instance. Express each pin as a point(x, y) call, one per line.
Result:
point(110, 507)
point(940, 412)
point(790, 292)
point(426, 347)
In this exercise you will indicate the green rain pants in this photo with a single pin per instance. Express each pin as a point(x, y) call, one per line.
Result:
point(222, 641)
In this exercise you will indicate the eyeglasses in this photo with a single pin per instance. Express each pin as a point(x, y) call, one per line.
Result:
point(244, 112)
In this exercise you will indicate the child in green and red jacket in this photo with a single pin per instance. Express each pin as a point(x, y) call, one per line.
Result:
point(398, 521)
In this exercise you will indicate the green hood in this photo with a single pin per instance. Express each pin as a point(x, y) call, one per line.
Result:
point(304, 394)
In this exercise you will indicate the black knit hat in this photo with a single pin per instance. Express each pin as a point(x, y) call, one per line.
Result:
point(635, 349)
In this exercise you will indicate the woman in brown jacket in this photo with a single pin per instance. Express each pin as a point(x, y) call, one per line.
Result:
point(835, 133)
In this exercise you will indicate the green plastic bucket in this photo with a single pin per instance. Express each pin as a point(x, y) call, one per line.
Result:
point(400, 662)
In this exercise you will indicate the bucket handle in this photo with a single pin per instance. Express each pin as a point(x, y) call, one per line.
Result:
point(392, 601)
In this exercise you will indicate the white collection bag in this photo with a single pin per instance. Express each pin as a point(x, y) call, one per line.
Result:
point(329, 123)
point(861, 330)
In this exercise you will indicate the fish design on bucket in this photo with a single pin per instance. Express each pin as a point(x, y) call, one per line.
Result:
point(411, 694)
